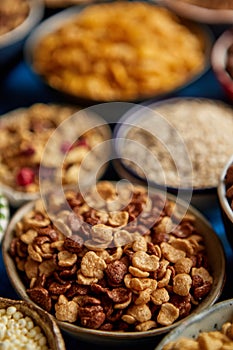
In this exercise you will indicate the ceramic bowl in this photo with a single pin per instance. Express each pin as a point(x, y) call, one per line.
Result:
point(53, 132)
point(106, 92)
point(227, 213)
point(210, 319)
point(213, 248)
point(219, 57)
point(40, 318)
point(200, 13)
point(11, 43)
point(147, 136)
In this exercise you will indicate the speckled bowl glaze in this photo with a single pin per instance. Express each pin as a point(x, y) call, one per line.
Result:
point(40, 318)
point(207, 320)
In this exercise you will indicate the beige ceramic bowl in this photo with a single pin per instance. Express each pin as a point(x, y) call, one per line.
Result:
point(207, 320)
point(40, 318)
point(213, 246)
point(12, 42)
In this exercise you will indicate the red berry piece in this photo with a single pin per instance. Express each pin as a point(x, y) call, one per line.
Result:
point(25, 177)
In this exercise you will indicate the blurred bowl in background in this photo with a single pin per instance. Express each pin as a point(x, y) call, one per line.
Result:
point(209, 12)
point(209, 320)
point(48, 144)
point(12, 41)
point(225, 199)
point(124, 69)
point(18, 310)
point(222, 62)
point(173, 144)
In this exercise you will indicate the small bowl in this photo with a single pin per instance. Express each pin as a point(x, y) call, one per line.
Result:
point(226, 211)
point(4, 215)
point(52, 130)
point(219, 57)
point(11, 42)
point(199, 13)
point(217, 266)
point(40, 318)
point(207, 320)
point(103, 88)
point(159, 137)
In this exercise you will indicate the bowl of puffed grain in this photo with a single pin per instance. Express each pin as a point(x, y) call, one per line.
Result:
point(115, 263)
point(24, 325)
point(176, 144)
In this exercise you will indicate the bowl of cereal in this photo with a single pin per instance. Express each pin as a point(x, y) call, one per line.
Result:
point(221, 61)
point(24, 325)
point(155, 143)
point(48, 144)
point(211, 329)
point(18, 18)
point(115, 263)
point(123, 65)
point(225, 198)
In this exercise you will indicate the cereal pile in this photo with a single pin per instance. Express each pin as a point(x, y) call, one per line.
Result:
point(12, 14)
point(136, 268)
point(105, 64)
point(218, 340)
point(24, 134)
point(19, 332)
point(210, 133)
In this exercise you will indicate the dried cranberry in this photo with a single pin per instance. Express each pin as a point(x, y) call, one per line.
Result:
point(29, 151)
point(25, 177)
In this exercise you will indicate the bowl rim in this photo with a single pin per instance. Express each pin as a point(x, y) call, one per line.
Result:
point(194, 319)
point(47, 319)
point(81, 332)
point(218, 58)
point(200, 14)
point(65, 15)
point(36, 12)
point(128, 120)
point(221, 191)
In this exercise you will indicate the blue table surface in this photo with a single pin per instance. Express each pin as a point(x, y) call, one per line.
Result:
point(20, 88)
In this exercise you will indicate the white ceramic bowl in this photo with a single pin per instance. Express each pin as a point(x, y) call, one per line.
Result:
point(210, 319)
point(199, 13)
point(219, 60)
point(158, 140)
point(12, 42)
point(213, 248)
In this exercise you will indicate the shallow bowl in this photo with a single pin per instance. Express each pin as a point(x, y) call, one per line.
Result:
point(207, 320)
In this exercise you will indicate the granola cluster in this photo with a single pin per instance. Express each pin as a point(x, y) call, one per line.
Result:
point(113, 267)
point(24, 136)
point(12, 14)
